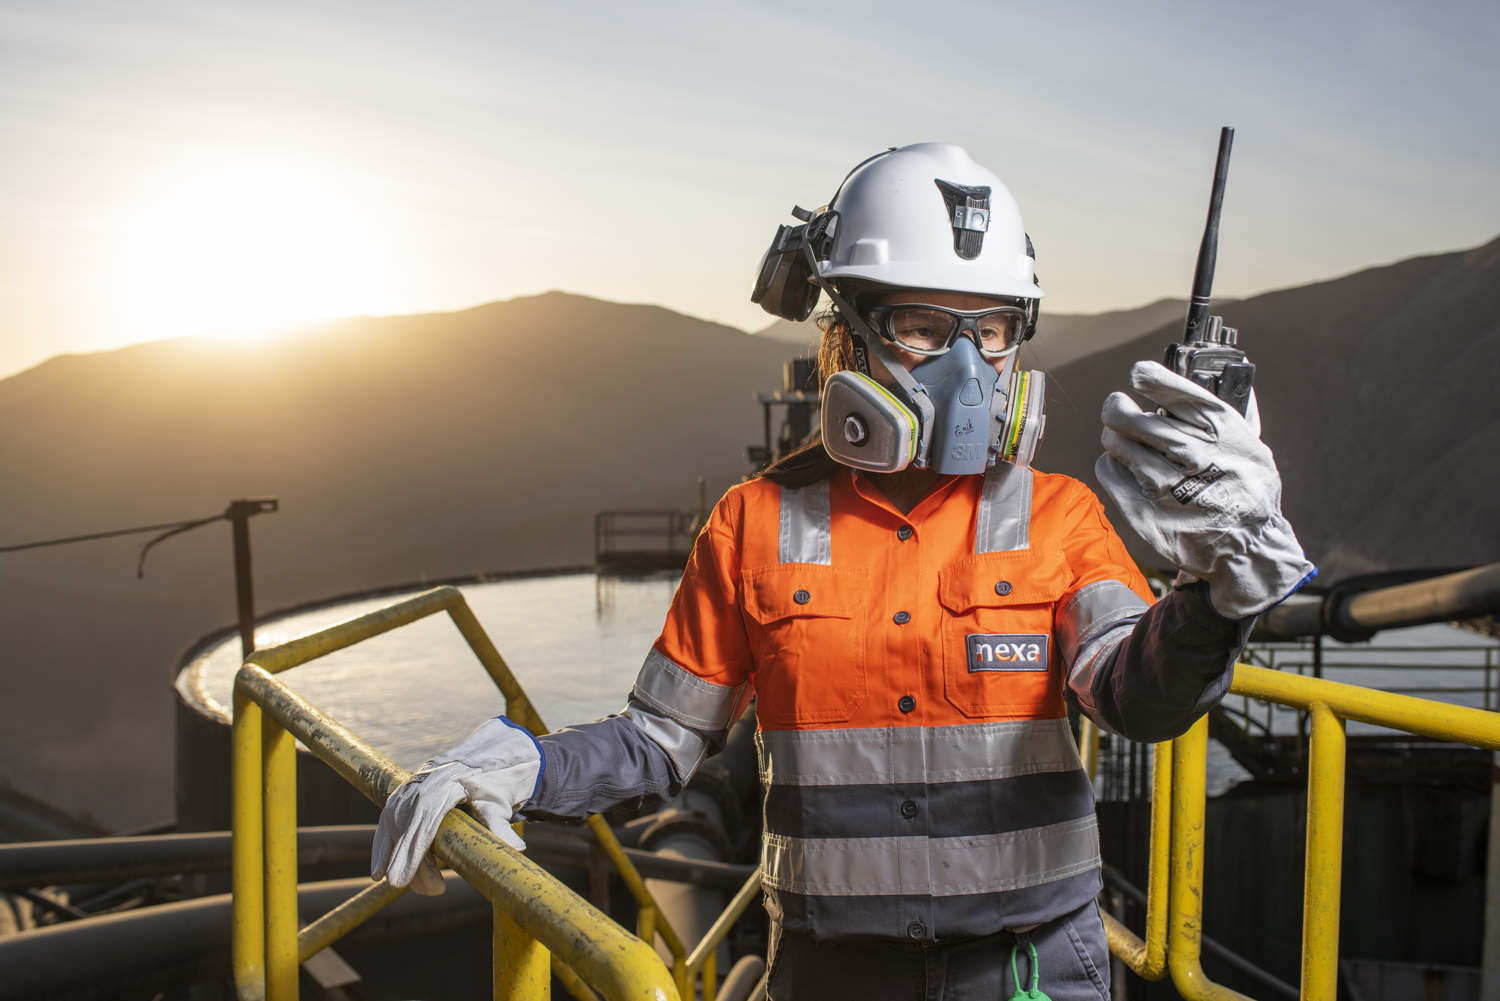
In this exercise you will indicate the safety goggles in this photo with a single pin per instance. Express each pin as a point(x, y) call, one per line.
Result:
point(933, 330)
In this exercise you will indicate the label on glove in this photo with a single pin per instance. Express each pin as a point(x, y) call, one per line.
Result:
point(1007, 651)
point(1191, 486)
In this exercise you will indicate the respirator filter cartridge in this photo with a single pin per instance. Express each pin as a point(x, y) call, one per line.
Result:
point(865, 426)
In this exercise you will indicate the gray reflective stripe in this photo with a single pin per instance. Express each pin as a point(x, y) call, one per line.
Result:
point(938, 866)
point(1083, 670)
point(961, 753)
point(1004, 518)
point(683, 745)
point(681, 695)
point(1094, 610)
point(806, 524)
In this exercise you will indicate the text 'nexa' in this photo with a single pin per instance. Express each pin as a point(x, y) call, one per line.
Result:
point(1007, 651)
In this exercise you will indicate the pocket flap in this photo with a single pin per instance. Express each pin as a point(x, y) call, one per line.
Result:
point(804, 589)
point(993, 580)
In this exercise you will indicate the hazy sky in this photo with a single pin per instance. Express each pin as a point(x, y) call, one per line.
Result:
point(174, 168)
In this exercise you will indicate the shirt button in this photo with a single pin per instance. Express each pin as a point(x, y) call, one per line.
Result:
point(916, 930)
point(905, 532)
point(901, 618)
point(1002, 587)
point(906, 703)
point(909, 809)
point(802, 597)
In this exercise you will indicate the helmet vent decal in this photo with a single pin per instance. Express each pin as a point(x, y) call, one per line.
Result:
point(969, 213)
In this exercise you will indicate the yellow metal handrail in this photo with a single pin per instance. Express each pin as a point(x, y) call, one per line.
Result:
point(534, 914)
point(1174, 911)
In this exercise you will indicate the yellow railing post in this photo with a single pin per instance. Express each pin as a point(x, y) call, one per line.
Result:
point(1088, 747)
point(248, 941)
point(279, 812)
point(1325, 855)
point(1185, 935)
point(1159, 872)
point(522, 965)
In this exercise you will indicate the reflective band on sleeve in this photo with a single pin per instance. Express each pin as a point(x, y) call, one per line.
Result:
point(890, 755)
point(938, 866)
point(1094, 610)
point(683, 745)
point(806, 524)
point(683, 696)
point(1004, 518)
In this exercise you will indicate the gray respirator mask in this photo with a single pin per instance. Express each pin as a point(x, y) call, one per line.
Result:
point(953, 413)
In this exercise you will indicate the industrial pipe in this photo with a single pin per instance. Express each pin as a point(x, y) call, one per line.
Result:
point(1462, 595)
point(28, 864)
point(152, 948)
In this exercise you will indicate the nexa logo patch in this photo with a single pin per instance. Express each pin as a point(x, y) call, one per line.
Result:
point(1007, 651)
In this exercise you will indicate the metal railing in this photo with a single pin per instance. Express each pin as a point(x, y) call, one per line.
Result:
point(644, 538)
point(541, 927)
point(1174, 908)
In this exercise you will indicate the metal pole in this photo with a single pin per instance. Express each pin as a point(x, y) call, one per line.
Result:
point(1489, 960)
point(239, 513)
point(244, 594)
point(1325, 857)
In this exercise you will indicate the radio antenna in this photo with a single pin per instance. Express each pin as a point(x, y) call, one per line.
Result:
point(1208, 250)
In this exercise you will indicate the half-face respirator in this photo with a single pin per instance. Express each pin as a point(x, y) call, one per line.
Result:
point(953, 414)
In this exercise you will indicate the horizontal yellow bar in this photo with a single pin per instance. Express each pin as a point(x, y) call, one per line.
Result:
point(344, 918)
point(275, 659)
point(1425, 717)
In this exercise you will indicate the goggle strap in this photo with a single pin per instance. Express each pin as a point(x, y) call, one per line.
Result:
point(915, 393)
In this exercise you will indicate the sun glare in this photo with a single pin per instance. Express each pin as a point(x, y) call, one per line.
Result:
point(249, 252)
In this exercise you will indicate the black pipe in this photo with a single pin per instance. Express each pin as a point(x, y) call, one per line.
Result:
point(25, 865)
point(1359, 614)
point(30, 864)
point(155, 947)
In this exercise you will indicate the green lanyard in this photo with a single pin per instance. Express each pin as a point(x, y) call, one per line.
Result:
point(1035, 993)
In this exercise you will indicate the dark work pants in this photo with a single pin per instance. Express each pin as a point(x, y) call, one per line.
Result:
point(1072, 957)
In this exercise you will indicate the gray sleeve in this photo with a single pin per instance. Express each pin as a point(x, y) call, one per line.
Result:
point(1148, 672)
point(645, 752)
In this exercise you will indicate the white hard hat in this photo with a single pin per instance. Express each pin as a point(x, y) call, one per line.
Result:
point(927, 216)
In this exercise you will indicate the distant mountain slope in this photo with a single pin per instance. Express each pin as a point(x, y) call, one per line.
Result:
point(1377, 392)
point(402, 448)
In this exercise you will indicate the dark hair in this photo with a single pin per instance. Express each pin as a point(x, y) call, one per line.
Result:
point(810, 462)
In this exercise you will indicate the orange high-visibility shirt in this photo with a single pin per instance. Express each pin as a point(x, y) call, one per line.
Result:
point(909, 671)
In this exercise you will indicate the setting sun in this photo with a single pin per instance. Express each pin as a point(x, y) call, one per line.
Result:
point(246, 252)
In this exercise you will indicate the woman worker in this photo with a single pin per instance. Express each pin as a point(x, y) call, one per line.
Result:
point(912, 606)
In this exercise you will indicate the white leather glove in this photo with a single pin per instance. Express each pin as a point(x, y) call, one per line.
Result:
point(1200, 488)
point(495, 768)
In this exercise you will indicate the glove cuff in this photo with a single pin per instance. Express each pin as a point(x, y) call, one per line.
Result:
point(541, 754)
point(1269, 571)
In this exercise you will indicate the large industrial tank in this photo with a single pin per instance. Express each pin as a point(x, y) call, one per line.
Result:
point(574, 640)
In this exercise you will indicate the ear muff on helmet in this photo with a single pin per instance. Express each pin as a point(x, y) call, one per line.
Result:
point(784, 284)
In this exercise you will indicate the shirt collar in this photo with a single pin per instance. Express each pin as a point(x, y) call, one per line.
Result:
point(866, 487)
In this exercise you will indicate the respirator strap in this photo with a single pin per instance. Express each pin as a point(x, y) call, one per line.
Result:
point(915, 393)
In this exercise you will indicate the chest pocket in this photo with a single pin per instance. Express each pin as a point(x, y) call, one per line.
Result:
point(999, 654)
point(806, 627)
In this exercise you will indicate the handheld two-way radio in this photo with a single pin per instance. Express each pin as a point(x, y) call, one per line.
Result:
point(1209, 353)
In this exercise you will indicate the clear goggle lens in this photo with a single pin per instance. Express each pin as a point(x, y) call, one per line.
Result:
point(932, 330)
